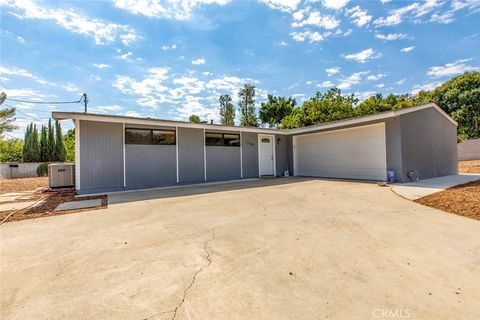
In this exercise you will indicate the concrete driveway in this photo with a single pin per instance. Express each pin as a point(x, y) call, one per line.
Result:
point(275, 249)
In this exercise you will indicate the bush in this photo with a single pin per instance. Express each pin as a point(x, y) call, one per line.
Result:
point(42, 170)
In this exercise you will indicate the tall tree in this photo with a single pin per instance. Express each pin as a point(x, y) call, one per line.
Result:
point(227, 110)
point(70, 144)
point(26, 143)
point(194, 119)
point(43, 144)
point(275, 109)
point(60, 149)
point(35, 145)
point(50, 141)
point(246, 105)
point(31, 148)
point(7, 117)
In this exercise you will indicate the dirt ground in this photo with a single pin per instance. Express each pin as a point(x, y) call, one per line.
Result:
point(23, 184)
point(463, 200)
point(472, 166)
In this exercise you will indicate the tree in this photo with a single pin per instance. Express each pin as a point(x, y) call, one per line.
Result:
point(60, 149)
point(246, 106)
point(70, 144)
point(31, 148)
point(43, 144)
point(7, 116)
point(50, 141)
point(194, 119)
point(11, 150)
point(275, 109)
point(227, 110)
point(331, 106)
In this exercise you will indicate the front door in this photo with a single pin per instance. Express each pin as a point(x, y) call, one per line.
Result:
point(266, 155)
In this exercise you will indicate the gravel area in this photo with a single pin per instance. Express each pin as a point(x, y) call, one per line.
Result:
point(472, 166)
point(22, 184)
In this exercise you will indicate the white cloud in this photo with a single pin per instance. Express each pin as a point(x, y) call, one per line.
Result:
point(70, 87)
point(425, 87)
point(380, 85)
point(332, 71)
point(169, 9)
point(363, 95)
point(444, 18)
point(391, 20)
point(199, 61)
point(363, 56)
point(153, 83)
point(400, 82)
point(359, 16)
point(326, 84)
point(207, 73)
point(316, 19)
point(283, 5)
point(21, 40)
point(307, 35)
point(407, 49)
point(282, 44)
point(334, 4)
point(353, 79)
point(105, 109)
point(375, 77)
point(416, 11)
point(103, 32)
point(125, 56)
point(23, 73)
point(101, 65)
point(391, 36)
point(451, 69)
point(171, 47)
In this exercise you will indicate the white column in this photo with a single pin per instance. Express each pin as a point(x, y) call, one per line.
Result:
point(204, 157)
point(77, 154)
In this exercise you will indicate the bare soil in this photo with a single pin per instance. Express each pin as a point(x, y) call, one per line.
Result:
point(463, 200)
point(22, 184)
point(472, 166)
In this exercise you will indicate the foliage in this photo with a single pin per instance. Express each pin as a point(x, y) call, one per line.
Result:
point(11, 150)
point(70, 145)
point(43, 144)
point(275, 109)
point(60, 149)
point(7, 116)
point(246, 106)
point(50, 142)
point(460, 97)
point(227, 110)
point(330, 106)
point(31, 148)
point(42, 170)
point(194, 119)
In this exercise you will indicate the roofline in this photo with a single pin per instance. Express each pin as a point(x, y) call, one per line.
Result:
point(57, 115)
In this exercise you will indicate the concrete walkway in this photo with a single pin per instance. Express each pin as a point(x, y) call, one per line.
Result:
point(416, 190)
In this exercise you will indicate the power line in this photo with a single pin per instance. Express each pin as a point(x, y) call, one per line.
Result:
point(32, 117)
point(46, 102)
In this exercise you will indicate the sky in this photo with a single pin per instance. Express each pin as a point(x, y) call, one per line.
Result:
point(169, 59)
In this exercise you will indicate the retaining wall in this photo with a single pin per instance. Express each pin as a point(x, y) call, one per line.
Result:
point(469, 150)
point(13, 170)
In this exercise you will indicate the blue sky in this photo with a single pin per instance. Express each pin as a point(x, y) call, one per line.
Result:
point(170, 59)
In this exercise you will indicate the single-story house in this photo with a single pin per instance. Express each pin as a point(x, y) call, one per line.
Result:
point(125, 153)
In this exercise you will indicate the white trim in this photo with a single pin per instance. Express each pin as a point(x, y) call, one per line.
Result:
point(274, 153)
point(204, 157)
point(77, 154)
point(294, 144)
point(241, 156)
point(176, 152)
point(124, 160)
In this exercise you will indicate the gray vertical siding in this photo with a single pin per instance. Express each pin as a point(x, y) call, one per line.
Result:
point(101, 160)
point(429, 144)
point(149, 166)
point(190, 155)
point(250, 154)
point(290, 154)
point(223, 163)
point(281, 154)
point(393, 140)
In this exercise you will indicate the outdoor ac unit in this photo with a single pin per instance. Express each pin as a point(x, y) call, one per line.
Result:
point(61, 175)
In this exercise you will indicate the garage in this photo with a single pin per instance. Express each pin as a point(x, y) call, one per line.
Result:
point(352, 153)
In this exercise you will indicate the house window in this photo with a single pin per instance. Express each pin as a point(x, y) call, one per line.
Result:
point(149, 136)
point(222, 139)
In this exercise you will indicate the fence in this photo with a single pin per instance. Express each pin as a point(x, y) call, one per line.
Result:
point(13, 170)
point(469, 150)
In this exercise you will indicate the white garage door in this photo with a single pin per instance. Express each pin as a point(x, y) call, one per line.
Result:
point(354, 153)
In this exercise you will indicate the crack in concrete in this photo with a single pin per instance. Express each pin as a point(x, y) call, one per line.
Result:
point(209, 259)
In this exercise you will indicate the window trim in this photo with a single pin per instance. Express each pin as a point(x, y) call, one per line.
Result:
point(223, 138)
point(151, 143)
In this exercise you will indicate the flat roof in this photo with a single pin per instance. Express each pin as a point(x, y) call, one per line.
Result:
point(57, 115)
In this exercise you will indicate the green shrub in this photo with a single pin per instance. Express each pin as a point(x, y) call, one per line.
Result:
point(42, 170)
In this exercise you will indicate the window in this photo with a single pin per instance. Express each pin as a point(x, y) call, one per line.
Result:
point(222, 139)
point(265, 140)
point(149, 136)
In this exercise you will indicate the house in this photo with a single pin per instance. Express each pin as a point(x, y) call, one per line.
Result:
point(125, 153)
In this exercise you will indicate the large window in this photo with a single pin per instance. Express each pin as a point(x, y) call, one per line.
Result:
point(222, 139)
point(149, 136)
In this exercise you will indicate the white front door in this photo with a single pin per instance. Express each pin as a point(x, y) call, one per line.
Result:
point(266, 154)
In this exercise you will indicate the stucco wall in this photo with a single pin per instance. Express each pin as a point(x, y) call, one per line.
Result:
point(429, 144)
point(13, 170)
point(101, 160)
point(469, 150)
point(190, 155)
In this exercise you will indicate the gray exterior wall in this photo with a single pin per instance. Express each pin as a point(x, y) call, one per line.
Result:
point(250, 154)
point(149, 166)
point(101, 159)
point(281, 154)
point(469, 150)
point(190, 155)
point(429, 144)
point(223, 163)
point(393, 140)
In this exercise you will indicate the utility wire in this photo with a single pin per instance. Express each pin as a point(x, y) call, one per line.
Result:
point(46, 102)
point(32, 117)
